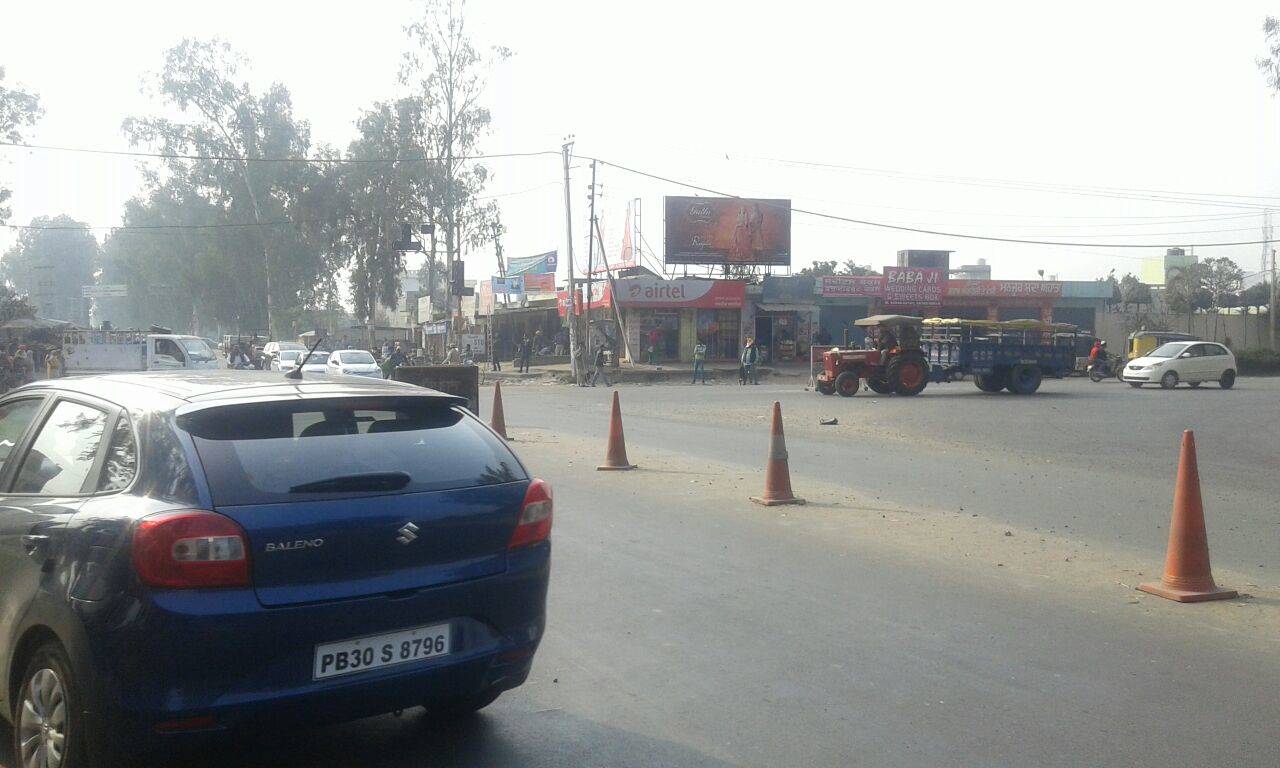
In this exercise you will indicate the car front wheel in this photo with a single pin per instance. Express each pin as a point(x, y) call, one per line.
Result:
point(1169, 380)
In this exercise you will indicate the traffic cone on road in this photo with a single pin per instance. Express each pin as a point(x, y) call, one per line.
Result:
point(777, 474)
point(616, 457)
point(498, 421)
point(1187, 576)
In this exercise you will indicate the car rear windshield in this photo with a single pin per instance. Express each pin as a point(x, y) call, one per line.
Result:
point(358, 357)
point(283, 451)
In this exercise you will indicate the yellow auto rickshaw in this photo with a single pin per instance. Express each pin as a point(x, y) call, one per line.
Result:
point(1143, 342)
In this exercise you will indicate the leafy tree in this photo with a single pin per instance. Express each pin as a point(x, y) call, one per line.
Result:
point(1134, 291)
point(819, 269)
point(1256, 295)
point(53, 260)
point(1222, 278)
point(848, 267)
point(373, 200)
point(447, 74)
point(261, 235)
point(851, 267)
point(19, 110)
point(14, 305)
point(1186, 291)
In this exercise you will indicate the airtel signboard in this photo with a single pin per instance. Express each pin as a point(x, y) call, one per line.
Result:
point(686, 292)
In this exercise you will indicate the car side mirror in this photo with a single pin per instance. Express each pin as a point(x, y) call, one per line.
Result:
point(1185, 354)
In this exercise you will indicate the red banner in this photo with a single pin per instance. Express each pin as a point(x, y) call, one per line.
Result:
point(543, 283)
point(601, 297)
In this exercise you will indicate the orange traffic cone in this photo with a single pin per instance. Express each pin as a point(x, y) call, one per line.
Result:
point(777, 475)
point(616, 458)
point(1187, 577)
point(498, 421)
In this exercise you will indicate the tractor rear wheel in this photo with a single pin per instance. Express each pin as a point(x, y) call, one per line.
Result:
point(990, 382)
point(907, 375)
point(1025, 379)
point(879, 386)
point(847, 384)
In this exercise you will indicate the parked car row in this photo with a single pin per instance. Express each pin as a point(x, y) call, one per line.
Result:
point(349, 362)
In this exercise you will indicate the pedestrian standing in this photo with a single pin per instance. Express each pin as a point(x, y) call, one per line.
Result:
point(699, 362)
point(495, 360)
point(654, 338)
point(53, 363)
point(599, 372)
point(750, 360)
point(526, 352)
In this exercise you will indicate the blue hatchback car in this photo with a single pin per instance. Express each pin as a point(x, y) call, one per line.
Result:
point(187, 553)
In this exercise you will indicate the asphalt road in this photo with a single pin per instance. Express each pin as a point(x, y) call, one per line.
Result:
point(880, 625)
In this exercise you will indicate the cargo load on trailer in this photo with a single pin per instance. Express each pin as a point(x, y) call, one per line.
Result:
point(120, 351)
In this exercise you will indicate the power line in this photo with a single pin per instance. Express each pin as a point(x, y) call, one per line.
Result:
point(308, 160)
point(884, 225)
point(1194, 198)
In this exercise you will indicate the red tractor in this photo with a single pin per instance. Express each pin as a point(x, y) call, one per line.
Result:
point(892, 364)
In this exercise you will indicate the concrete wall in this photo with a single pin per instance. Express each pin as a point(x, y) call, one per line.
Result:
point(1244, 332)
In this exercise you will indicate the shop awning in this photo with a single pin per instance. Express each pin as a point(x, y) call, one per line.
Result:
point(784, 307)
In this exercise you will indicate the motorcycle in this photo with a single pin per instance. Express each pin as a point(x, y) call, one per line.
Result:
point(1105, 368)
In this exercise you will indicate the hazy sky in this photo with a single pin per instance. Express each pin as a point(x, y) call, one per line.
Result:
point(906, 98)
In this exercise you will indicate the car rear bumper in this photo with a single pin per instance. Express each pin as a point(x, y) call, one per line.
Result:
point(221, 655)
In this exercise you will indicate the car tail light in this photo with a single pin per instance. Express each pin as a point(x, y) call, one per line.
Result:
point(534, 524)
point(190, 550)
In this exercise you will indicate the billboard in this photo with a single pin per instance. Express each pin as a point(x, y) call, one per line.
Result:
point(543, 263)
point(728, 230)
point(913, 286)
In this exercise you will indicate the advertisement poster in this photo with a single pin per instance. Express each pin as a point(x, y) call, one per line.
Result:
point(540, 283)
point(508, 285)
point(851, 285)
point(913, 286)
point(543, 263)
point(728, 230)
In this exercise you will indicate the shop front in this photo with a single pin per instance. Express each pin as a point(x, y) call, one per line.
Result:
point(665, 319)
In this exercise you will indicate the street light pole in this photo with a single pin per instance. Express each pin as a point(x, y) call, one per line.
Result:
point(568, 241)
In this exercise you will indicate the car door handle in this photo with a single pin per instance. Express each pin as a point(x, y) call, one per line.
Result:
point(34, 544)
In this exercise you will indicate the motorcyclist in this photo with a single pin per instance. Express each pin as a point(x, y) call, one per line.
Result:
point(1098, 355)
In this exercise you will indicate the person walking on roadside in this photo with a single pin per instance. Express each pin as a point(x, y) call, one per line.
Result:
point(598, 372)
point(750, 360)
point(699, 362)
point(526, 351)
point(654, 338)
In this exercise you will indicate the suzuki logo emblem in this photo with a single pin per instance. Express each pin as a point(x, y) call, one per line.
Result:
point(408, 533)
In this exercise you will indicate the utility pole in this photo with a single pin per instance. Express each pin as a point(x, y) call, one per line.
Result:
point(591, 242)
point(566, 149)
point(1271, 315)
point(502, 263)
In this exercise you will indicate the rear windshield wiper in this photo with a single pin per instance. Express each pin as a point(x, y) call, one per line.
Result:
point(371, 481)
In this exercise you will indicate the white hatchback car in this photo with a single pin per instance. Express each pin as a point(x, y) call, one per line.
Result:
point(1192, 362)
point(354, 362)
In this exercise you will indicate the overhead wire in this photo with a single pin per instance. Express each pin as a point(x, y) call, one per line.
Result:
point(920, 230)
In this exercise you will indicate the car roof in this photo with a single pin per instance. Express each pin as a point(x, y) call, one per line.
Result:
point(162, 391)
